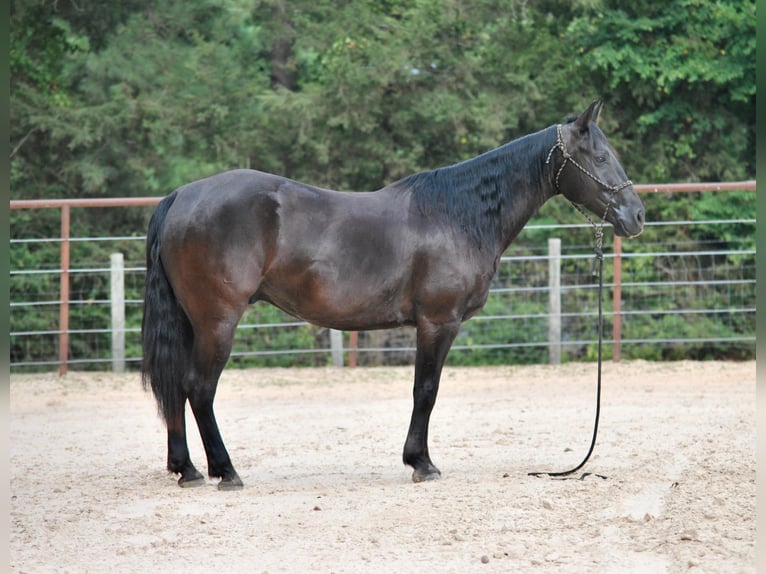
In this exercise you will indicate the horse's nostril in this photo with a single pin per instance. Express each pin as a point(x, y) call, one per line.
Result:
point(640, 217)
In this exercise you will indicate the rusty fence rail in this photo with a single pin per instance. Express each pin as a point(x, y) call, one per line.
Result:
point(65, 271)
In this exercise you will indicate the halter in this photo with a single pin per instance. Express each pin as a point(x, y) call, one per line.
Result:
point(598, 228)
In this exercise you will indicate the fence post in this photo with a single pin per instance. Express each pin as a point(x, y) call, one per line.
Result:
point(554, 301)
point(617, 299)
point(64, 293)
point(353, 345)
point(336, 347)
point(117, 278)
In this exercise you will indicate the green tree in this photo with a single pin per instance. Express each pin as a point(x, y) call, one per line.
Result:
point(681, 77)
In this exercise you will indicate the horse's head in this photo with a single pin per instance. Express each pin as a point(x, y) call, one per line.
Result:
point(591, 176)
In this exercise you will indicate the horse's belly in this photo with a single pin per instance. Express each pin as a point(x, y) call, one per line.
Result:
point(344, 318)
point(339, 304)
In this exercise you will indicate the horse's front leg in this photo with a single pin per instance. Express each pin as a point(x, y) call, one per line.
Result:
point(433, 344)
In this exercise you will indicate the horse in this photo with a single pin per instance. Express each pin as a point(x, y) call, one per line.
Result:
point(420, 252)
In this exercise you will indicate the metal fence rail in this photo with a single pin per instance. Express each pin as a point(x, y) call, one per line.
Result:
point(519, 300)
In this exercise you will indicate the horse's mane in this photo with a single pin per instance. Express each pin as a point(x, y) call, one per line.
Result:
point(478, 193)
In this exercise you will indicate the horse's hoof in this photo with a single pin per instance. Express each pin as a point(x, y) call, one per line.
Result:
point(432, 473)
point(191, 482)
point(233, 483)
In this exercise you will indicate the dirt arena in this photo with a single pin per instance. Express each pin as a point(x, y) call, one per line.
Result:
point(319, 451)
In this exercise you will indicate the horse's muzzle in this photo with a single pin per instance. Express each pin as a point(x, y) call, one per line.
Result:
point(628, 222)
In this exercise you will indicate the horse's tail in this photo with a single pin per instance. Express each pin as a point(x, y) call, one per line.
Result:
point(166, 333)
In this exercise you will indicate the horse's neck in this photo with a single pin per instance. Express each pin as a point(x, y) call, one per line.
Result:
point(522, 207)
point(492, 196)
point(527, 183)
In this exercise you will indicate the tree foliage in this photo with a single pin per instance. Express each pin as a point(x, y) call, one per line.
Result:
point(136, 98)
point(683, 75)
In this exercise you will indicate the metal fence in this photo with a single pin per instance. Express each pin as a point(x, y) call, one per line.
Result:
point(666, 298)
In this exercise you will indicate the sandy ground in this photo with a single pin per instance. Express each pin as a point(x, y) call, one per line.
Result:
point(325, 490)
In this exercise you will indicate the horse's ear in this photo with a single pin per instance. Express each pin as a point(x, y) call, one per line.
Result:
point(598, 104)
point(589, 115)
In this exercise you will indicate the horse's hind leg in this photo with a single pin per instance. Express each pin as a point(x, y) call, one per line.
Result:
point(179, 460)
point(211, 351)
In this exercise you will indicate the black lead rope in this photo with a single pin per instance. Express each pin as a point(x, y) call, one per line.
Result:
point(599, 261)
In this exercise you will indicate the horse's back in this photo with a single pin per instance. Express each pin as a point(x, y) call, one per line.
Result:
point(243, 192)
point(221, 193)
point(238, 207)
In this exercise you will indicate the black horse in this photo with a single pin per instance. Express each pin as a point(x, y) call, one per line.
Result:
point(419, 252)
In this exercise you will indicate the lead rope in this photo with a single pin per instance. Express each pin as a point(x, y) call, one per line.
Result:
point(598, 231)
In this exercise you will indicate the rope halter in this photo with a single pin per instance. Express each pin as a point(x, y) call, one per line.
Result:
point(598, 228)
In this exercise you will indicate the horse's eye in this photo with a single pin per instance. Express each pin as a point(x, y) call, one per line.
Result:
point(601, 158)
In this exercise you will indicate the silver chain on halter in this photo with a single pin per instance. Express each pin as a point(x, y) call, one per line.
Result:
point(598, 228)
